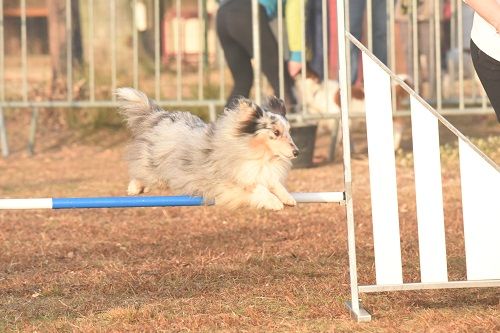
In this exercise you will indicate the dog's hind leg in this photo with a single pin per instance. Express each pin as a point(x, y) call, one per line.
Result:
point(281, 192)
point(135, 187)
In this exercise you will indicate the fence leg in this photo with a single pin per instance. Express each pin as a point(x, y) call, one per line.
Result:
point(3, 135)
point(33, 125)
point(334, 140)
point(212, 113)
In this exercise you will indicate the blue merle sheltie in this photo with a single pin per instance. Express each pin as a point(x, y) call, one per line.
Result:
point(242, 158)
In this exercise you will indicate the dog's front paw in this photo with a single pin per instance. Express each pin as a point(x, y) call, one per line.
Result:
point(262, 198)
point(289, 200)
point(273, 203)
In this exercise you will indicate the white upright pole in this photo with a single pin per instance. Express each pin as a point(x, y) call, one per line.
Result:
point(3, 135)
point(256, 51)
point(359, 313)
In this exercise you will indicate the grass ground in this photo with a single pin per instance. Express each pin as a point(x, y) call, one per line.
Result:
point(209, 269)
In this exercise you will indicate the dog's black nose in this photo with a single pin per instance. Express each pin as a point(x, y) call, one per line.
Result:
point(295, 152)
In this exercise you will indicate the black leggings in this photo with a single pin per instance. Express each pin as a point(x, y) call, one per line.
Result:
point(234, 28)
point(488, 71)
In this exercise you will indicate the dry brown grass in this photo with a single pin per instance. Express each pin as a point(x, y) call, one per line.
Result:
point(209, 269)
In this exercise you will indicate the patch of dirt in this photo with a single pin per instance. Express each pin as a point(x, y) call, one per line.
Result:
point(207, 268)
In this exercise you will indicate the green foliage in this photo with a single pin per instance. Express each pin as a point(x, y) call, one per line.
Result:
point(449, 151)
point(93, 119)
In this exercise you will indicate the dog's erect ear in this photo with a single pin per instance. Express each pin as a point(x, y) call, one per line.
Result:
point(249, 114)
point(276, 105)
point(247, 109)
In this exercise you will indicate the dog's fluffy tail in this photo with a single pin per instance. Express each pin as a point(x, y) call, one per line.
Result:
point(135, 107)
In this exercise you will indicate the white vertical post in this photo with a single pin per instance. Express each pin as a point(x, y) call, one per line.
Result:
point(281, 60)
point(3, 131)
point(2, 57)
point(135, 46)
point(391, 46)
point(356, 310)
point(256, 51)
point(69, 52)
point(480, 183)
point(178, 49)
point(112, 31)
point(384, 197)
point(460, 33)
point(157, 23)
point(3, 135)
point(201, 41)
point(369, 24)
point(222, 72)
point(429, 194)
point(24, 51)
point(414, 37)
point(303, 70)
point(437, 41)
point(324, 41)
point(91, 51)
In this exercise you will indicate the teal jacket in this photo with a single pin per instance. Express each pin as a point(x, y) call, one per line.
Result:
point(271, 6)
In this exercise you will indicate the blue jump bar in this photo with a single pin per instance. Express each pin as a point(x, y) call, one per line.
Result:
point(146, 201)
point(123, 202)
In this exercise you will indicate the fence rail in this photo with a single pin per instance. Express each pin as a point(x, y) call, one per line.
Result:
point(74, 53)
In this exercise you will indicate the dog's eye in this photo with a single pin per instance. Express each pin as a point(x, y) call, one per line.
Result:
point(277, 132)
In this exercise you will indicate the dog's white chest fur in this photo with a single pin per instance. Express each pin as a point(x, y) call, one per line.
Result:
point(257, 172)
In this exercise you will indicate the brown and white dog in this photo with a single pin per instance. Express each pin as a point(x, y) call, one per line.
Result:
point(243, 158)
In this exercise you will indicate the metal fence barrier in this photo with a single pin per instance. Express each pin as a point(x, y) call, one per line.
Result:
point(169, 49)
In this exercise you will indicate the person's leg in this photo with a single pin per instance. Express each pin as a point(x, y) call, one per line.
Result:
point(268, 52)
point(314, 36)
point(241, 70)
point(229, 28)
point(488, 71)
point(270, 60)
point(379, 24)
point(290, 98)
point(240, 30)
point(356, 14)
